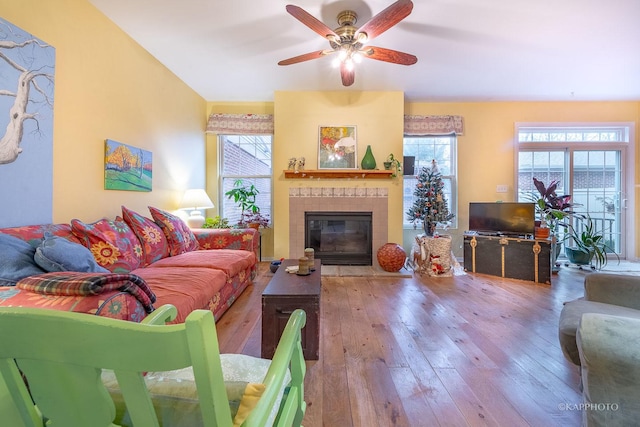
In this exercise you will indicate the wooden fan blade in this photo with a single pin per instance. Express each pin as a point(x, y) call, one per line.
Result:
point(385, 19)
point(389, 55)
point(305, 57)
point(310, 21)
point(348, 76)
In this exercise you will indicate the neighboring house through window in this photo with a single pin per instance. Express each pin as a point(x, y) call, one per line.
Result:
point(245, 157)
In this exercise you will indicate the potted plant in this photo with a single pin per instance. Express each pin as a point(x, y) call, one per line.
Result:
point(394, 163)
point(245, 196)
point(589, 245)
point(216, 222)
point(551, 207)
point(257, 220)
point(552, 210)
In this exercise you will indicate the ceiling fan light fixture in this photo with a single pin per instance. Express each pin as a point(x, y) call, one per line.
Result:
point(348, 63)
point(362, 38)
point(348, 41)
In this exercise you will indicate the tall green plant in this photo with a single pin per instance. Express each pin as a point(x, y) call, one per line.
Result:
point(245, 196)
point(591, 241)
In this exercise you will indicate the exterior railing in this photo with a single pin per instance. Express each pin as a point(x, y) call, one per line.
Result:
point(602, 225)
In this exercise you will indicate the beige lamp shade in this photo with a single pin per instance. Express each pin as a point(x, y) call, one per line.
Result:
point(195, 200)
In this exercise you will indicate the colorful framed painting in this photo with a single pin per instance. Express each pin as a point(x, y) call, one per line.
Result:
point(126, 167)
point(337, 147)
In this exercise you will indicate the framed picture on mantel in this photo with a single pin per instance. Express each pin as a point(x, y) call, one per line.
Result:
point(337, 147)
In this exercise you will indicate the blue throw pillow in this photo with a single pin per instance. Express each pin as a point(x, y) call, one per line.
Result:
point(16, 260)
point(59, 254)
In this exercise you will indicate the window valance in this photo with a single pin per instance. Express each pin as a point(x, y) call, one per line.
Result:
point(240, 124)
point(433, 125)
point(262, 124)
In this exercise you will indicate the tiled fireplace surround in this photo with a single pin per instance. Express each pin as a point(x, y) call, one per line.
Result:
point(337, 199)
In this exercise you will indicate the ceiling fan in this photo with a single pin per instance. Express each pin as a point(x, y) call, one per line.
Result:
point(349, 42)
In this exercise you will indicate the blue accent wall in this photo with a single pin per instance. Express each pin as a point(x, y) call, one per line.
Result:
point(26, 181)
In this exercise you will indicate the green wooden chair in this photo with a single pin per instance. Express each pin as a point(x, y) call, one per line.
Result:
point(85, 370)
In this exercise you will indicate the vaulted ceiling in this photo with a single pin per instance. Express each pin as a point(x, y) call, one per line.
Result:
point(468, 50)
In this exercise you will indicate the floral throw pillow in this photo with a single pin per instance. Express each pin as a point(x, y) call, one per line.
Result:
point(154, 243)
point(112, 243)
point(181, 238)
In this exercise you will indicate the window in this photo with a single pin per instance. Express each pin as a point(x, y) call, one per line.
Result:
point(589, 163)
point(425, 149)
point(246, 157)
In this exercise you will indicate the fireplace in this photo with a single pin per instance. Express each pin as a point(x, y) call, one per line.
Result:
point(356, 199)
point(340, 238)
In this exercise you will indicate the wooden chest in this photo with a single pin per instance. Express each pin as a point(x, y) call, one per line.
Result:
point(285, 293)
point(514, 258)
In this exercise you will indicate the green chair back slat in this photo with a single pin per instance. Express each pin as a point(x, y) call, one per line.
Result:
point(62, 355)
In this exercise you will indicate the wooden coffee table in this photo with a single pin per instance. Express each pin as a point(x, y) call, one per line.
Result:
point(285, 293)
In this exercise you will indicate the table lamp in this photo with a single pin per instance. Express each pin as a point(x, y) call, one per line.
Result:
point(195, 200)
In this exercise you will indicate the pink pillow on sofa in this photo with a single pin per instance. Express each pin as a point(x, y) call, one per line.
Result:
point(181, 238)
point(112, 243)
point(154, 243)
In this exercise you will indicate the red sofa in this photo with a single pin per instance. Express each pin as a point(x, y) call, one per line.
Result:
point(191, 269)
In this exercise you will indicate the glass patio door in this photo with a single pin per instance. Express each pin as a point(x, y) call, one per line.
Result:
point(597, 186)
point(593, 162)
point(594, 178)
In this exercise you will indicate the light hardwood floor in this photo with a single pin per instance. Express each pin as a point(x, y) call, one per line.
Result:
point(470, 350)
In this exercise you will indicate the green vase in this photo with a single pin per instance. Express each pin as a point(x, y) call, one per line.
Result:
point(368, 161)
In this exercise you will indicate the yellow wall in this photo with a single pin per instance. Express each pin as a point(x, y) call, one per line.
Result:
point(378, 117)
point(485, 151)
point(107, 86)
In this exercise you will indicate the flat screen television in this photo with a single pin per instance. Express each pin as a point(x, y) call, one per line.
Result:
point(508, 218)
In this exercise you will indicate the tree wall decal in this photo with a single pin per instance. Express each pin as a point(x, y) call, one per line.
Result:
point(27, 66)
point(31, 87)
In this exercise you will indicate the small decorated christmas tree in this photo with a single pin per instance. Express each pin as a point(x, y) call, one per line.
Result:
point(430, 205)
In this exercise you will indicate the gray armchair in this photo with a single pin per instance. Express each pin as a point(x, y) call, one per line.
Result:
point(613, 294)
point(601, 333)
point(610, 355)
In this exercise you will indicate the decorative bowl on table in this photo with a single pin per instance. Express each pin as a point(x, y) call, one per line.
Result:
point(274, 266)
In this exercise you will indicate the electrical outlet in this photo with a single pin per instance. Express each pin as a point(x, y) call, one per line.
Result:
point(502, 188)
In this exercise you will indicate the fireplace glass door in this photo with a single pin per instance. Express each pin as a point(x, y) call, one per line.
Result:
point(340, 238)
